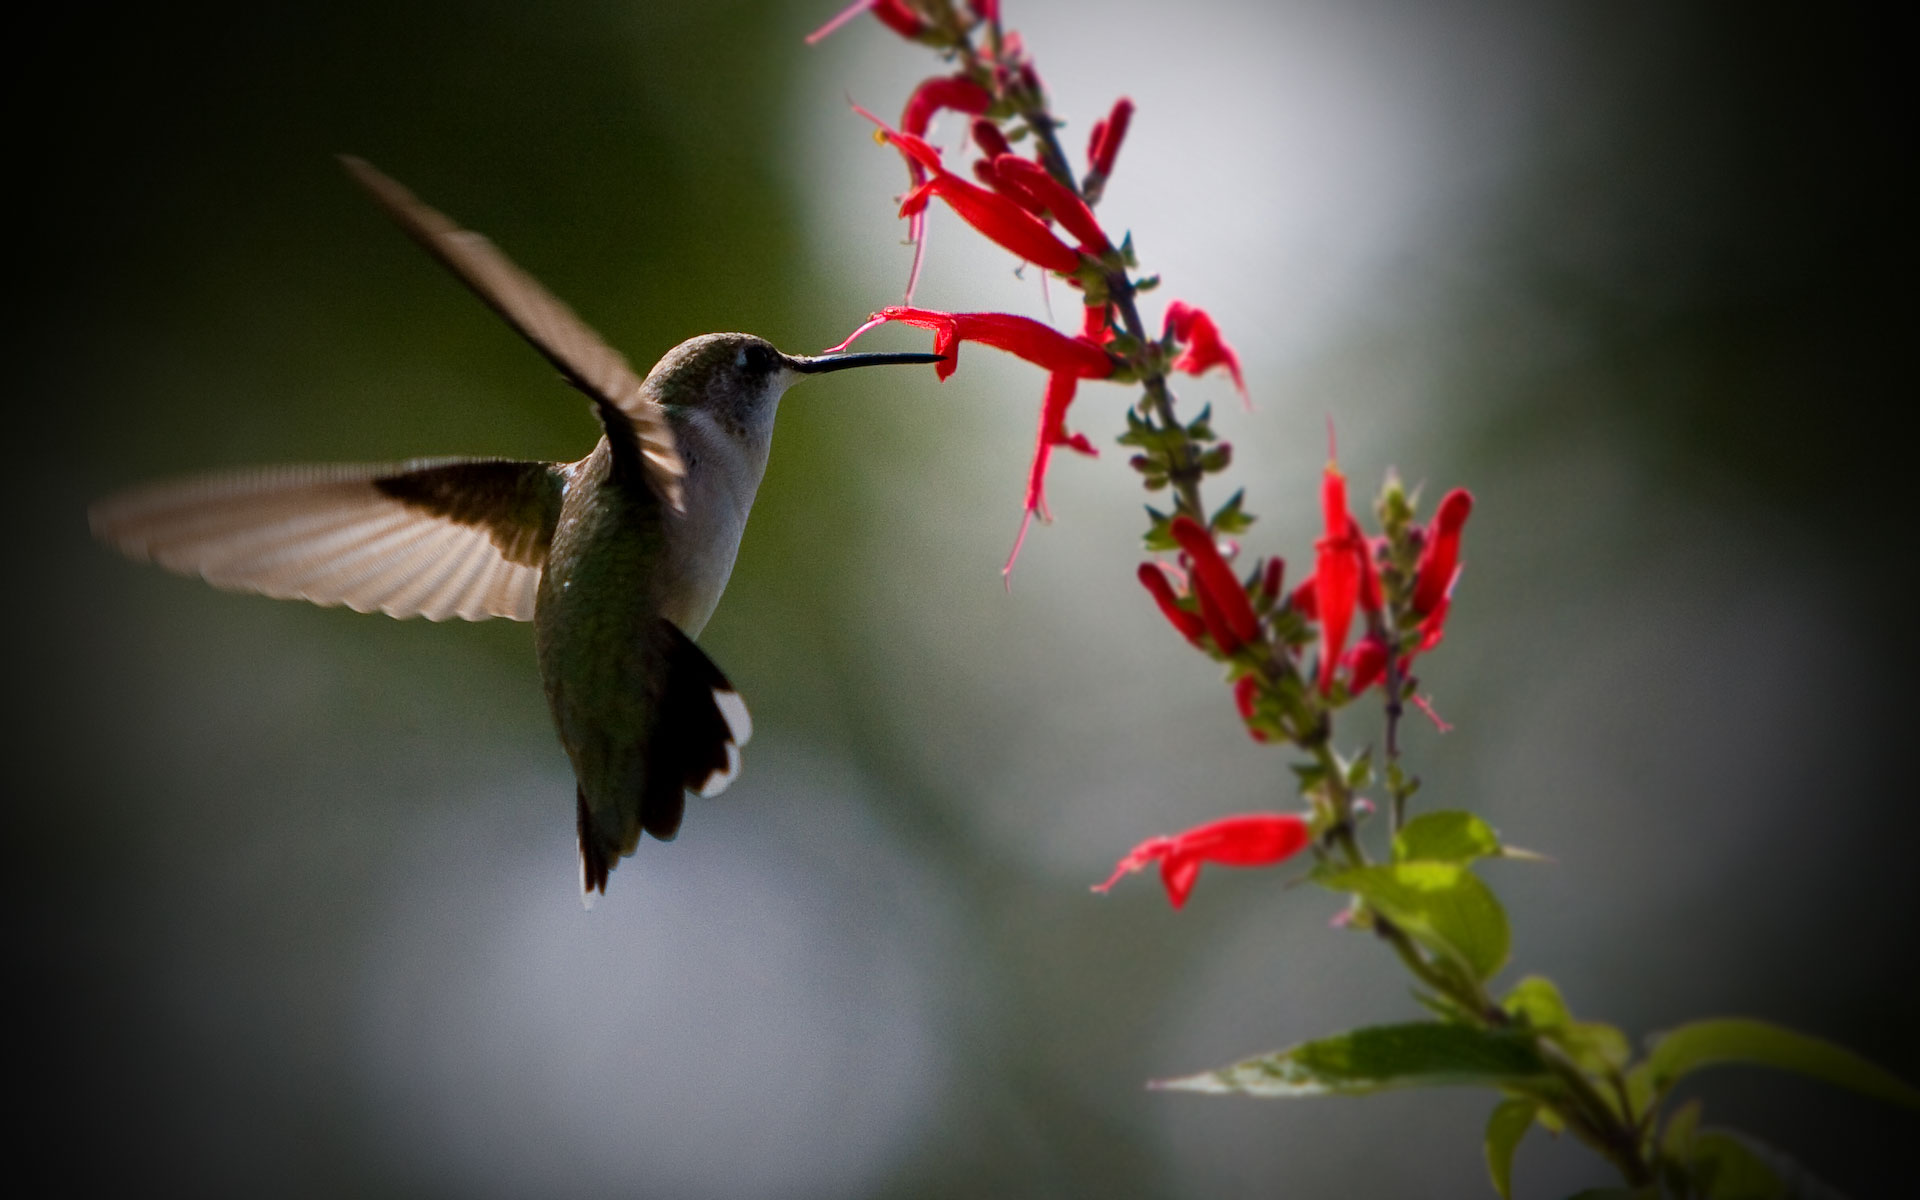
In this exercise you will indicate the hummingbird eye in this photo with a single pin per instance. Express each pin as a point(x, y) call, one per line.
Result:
point(756, 358)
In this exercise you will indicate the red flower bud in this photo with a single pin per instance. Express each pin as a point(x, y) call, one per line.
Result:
point(1271, 578)
point(1104, 144)
point(1154, 578)
point(991, 141)
point(1258, 840)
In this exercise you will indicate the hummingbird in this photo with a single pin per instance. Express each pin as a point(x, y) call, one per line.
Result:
point(618, 559)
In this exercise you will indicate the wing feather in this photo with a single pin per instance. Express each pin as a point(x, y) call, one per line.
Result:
point(436, 538)
point(539, 316)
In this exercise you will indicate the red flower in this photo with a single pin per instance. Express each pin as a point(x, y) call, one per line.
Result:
point(1223, 602)
point(1068, 360)
point(1204, 348)
point(1440, 557)
point(1025, 337)
point(894, 14)
point(1336, 573)
point(1153, 577)
point(956, 92)
point(1062, 201)
point(1258, 840)
point(1104, 144)
point(1000, 219)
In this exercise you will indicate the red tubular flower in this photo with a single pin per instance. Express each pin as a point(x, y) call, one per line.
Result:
point(894, 14)
point(983, 170)
point(1000, 219)
point(956, 92)
point(1231, 620)
point(1025, 337)
point(1062, 201)
point(1441, 556)
point(1067, 360)
point(1258, 840)
point(1153, 577)
point(1204, 348)
point(1104, 144)
point(1336, 574)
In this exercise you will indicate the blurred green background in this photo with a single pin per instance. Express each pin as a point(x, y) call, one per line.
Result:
point(292, 892)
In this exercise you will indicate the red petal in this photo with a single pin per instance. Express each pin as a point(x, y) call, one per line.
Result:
point(1179, 872)
point(1204, 347)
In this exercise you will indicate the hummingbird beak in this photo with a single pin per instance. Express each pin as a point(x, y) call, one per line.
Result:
point(818, 364)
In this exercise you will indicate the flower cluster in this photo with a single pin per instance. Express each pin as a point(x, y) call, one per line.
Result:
point(1397, 586)
point(1029, 205)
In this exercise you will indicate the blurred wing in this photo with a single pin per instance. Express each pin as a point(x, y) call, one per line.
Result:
point(434, 538)
point(568, 343)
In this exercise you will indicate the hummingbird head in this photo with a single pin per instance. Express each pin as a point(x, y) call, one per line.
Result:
point(737, 379)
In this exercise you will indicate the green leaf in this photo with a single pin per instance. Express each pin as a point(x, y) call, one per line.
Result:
point(1537, 999)
point(1734, 1166)
point(1595, 1047)
point(1231, 518)
point(1443, 906)
point(1724, 1167)
point(1423, 1054)
point(1676, 1140)
point(1454, 837)
point(1509, 1123)
point(1702, 1044)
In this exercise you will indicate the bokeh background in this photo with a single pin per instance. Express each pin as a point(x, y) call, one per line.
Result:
point(292, 903)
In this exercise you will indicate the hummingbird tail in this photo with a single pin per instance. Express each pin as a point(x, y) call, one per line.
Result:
point(694, 746)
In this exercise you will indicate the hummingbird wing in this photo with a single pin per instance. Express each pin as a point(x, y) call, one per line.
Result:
point(435, 538)
point(566, 341)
